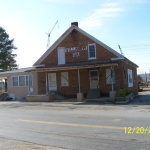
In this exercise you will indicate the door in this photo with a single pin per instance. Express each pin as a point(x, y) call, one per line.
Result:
point(52, 82)
point(93, 79)
point(61, 56)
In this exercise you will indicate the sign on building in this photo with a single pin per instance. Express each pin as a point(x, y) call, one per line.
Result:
point(130, 78)
point(76, 54)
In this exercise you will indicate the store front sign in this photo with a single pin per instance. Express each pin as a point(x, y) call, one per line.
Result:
point(73, 49)
point(76, 54)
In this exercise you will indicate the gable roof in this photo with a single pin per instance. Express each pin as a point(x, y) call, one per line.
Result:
point(66, 33)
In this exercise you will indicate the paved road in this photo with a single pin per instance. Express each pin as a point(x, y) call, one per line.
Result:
point(83, 126)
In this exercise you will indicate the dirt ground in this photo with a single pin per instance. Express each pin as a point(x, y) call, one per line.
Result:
point(10, 144)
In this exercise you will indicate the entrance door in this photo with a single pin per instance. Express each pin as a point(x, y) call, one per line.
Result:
point(52, 82)
point(93, 79)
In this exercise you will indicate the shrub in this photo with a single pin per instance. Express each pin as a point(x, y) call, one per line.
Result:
point(123, 93)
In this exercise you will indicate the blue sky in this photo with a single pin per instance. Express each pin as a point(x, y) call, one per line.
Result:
point(114, 22)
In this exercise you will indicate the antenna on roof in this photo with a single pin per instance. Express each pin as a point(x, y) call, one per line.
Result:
point(121, 50)
point(48, 41)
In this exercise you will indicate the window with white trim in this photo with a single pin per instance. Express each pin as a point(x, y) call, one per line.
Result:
point(14, 81)
point(22, 81)
point(30, 80)
point(64, 79)
point(108, 75)
point(92, 51)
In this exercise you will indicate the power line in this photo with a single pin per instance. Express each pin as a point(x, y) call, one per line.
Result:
point(137, 45)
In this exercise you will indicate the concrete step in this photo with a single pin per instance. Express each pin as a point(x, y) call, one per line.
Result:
point(93, 94)
point(56, 96)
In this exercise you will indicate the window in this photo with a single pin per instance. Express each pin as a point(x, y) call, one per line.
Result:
point(92, 51)
point(30, 80)
point(22, 81)
point(64, 79)
point(108, 75)
point(15, 81)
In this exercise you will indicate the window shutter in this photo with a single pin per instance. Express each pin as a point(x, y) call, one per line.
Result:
point(61, 56)
point(64, 79)
point(108, 75)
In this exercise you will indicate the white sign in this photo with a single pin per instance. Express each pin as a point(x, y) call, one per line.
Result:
point(76, 54)
point(72, 49)
point(130, 78)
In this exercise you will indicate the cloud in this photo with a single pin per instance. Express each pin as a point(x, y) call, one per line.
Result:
point(97, 17)
point(140, 1)
point(146, 42)
point(66, 1)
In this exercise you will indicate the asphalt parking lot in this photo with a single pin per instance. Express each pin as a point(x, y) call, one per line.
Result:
point(141, 100)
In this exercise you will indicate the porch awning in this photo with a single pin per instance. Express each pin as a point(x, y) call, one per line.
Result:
point(76, 66)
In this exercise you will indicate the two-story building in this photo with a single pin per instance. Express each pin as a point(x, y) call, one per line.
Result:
point(79, 63)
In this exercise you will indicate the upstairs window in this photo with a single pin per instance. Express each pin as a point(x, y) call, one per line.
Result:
point(92, 51)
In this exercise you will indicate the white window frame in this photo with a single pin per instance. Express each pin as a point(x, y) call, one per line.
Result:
point(12, 81)
point(89, 51)
point(18, 81)
point(110, 76)
point(29, 81)
point(65, 79)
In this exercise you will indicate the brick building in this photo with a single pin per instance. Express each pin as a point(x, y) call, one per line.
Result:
point(79, 63)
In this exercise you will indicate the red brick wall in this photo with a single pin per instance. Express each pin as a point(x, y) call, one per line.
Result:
point(105, 88)
point(41, 83)
point(125, 67)
point(77, 39)
point(71, 91)
point(121, 79)
point(73, 88)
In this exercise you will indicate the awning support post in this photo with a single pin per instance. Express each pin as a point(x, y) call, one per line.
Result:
point(28, 85)
point(46, 82)
point(112, 79)
point(79, 79)
point(2, 84)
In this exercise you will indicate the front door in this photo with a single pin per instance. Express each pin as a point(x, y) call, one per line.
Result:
point(93, 79)
point(52, 82)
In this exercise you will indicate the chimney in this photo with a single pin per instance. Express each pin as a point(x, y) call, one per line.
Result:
point(74, 23)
